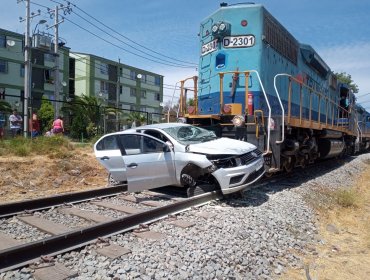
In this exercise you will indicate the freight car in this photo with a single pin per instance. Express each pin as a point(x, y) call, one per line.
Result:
point(257, 83)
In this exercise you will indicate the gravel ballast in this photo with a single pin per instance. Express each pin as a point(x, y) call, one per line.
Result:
point(257, 236)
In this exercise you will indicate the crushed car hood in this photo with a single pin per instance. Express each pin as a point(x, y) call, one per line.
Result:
point(225, 146)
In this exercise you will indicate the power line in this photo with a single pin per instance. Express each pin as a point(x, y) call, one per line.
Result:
point(127, 38)
point(117, 46)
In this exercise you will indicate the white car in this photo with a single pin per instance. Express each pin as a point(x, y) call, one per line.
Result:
point(182, 155)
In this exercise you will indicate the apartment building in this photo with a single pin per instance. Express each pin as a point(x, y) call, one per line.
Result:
point(118, 85)
point(43, 65)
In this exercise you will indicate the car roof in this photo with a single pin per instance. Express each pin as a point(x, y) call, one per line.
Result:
point(161, 125)
point(150, 126)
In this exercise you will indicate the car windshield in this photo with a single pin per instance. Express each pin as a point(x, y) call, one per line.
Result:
point(190, 134)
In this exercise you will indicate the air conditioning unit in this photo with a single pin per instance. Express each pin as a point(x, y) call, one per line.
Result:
point(41, 41)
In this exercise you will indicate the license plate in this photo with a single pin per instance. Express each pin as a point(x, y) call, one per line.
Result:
point(209, 47)
point(238, 41)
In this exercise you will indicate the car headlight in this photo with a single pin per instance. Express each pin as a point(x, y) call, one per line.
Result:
point(222, 27)
point(225, 161)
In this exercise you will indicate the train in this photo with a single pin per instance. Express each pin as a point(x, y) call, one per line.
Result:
point(258, 84)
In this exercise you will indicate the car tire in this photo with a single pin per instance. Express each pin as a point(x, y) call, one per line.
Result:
point(114, 183)
point(200, 189)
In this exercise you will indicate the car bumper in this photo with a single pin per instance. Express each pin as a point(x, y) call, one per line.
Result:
point(238, 178)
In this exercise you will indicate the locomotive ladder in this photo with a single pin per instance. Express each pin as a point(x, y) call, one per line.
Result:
point(246, 74)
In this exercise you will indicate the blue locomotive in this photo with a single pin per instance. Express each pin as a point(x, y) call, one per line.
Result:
point(257, 83)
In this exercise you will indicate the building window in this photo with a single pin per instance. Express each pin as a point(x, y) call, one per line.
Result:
point(2, 41)
point(104, 68)
point(49, 57)
point(104, 87)
point(120, 89)
point(3, 66)
point(133, 92)
point(133, 107)
point(22, 70)
point(143, 94)
point(2, 93)
point(157, 96)
point(143, 78)
point(157, 81)
point(132, 75)
point(49, 76)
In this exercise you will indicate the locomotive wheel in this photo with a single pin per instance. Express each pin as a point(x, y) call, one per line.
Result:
point(288, 165)
point(200, 189)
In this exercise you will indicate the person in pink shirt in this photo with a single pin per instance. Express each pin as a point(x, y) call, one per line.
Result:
point(58, 127)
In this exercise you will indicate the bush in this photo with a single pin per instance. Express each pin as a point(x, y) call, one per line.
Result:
point(347, 198)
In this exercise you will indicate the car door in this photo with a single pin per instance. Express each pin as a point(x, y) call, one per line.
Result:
point(109, 154)
point(149, 162)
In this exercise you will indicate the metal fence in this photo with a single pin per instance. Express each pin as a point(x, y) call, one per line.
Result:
point(107, 118)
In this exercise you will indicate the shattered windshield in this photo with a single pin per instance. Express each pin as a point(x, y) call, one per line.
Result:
point(190, 134)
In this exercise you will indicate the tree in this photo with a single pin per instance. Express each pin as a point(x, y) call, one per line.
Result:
point(5, 106)
point(345, 78)
point(46, 115)
point(85, 112)
point(136, 117)
point(79, 126)
point(89, 106)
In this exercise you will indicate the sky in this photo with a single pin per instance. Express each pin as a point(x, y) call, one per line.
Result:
point(161, 35)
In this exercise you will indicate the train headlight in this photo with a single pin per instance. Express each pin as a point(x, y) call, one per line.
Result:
point(238, 120)
point(214, 28)
point(222, 27)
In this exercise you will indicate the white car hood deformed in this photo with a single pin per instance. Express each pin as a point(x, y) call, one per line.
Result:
point(225, 146)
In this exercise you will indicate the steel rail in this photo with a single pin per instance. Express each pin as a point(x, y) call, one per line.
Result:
point(13, 208)
point(22, 255)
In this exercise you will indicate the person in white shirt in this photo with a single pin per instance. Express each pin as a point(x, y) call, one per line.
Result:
point(15, 123)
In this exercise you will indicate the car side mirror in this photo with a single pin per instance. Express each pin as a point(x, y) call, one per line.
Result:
point(167, 147)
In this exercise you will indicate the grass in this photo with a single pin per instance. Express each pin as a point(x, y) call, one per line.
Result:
point(54, 147)
point(347, 197)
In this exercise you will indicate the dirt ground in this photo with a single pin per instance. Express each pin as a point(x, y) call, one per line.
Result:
point(38, 176)
point(345, 231)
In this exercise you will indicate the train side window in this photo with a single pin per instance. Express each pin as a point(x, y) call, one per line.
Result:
point(220, 61)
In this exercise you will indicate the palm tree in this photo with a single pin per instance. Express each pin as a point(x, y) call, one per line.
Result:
point(136, 117)
point(5, 106)
point(88, 106)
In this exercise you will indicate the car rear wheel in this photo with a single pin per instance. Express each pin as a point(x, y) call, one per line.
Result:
point(114, 183)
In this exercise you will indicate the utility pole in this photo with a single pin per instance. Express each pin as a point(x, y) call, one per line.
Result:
point(118, 92)
point(27, 64)
point(56, 72)
point(27, 72)
point(55, 13)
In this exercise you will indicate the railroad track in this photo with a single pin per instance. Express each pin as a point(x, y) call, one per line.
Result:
point(119, 213)
point(127, 212)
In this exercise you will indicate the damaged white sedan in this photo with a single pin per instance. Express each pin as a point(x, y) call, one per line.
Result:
point(182, 155)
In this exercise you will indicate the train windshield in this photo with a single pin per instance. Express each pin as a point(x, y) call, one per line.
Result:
point(190, 134)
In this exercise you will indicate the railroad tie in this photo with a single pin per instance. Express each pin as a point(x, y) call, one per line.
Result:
point(87, 215)
point(44, 225)
point(6, 241)
point(120, 208)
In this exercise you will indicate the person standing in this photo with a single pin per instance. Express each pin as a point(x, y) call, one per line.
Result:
point(2, 125)
point(34, 126)
point(58, 126)
point(15, 123)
